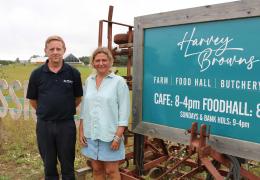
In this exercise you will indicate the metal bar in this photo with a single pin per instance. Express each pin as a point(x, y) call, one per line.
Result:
point(109, 28)
point(209, 166)
point(152, 147)
point(203, 133)
point(220, 158)
point(117, 23)
point(130, 54)
point(125, 176)
point(175, 166)
point(192, 172)
point(248, 175)
point(155, 162)
point(100, 34)
point(139, 153)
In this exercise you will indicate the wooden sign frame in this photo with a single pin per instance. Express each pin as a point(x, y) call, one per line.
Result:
point(220, 12)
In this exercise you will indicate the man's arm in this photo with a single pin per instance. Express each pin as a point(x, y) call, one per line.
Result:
point(33, 103)
point(77, 101)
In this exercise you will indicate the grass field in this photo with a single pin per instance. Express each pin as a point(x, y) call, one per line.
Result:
point(19, 157)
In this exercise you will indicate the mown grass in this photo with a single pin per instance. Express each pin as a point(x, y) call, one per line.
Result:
point(19, 157)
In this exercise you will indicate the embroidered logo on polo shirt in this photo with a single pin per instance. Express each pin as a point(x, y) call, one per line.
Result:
point(68, 81)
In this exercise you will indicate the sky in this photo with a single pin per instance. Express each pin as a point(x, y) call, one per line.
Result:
point(25, 24)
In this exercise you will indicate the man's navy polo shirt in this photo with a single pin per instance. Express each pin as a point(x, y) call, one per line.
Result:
point(55, 93)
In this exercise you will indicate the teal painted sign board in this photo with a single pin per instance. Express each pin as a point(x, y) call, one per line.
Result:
point(206, 72)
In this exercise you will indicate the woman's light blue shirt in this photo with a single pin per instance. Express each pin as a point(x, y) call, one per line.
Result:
point(105, 108)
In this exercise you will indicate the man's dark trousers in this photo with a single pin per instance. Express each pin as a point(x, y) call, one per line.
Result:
point(56, 140)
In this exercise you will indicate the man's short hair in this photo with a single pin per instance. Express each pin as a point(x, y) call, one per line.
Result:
point(54, 38)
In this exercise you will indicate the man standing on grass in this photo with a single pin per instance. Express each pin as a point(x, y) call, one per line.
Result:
point(55, 90)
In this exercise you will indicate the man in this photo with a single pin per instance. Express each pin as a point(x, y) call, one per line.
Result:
point(55, 90)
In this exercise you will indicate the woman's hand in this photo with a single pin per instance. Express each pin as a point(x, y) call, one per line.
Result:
point(115, 145)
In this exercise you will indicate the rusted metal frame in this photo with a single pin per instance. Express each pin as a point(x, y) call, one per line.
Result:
point(109, 28)
point(163, 146)
point(191, 163)
point(155, 162)
point(129, 61)
point(149, 145)
point(223, 160)
point(128, 175)
point(175, 166)
point(125, 176)
point(139, 153)
point(121, 24)
point(128, 157)
point(193, 137)
point(192, 172)
point(204, 151)
point(100, 33)
point(191, 152)
point(211, 168)
point(199, 145)
point(248, 174)
point(126, 45)
point(109, 43)
point(203, 135)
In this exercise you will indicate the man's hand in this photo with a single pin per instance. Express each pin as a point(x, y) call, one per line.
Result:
point(83, 140)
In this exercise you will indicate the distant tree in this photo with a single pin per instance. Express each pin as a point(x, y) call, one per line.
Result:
point(17, 60)
point(34, 56)
point(84, 59)
point(121, 60)
point(5, 62)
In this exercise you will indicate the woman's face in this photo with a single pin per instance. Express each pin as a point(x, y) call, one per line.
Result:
point(102, 64)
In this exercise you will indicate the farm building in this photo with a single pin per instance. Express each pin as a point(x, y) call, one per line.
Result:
point(38, 60)
point(71, 59)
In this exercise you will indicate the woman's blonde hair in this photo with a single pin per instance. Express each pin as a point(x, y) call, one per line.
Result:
point(103, 50)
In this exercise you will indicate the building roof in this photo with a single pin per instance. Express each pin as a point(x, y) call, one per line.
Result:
point(70, 58)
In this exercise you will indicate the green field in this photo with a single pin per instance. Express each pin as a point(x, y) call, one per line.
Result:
point(19, 158)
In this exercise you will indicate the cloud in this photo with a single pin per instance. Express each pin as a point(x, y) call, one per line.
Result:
point(26, 24)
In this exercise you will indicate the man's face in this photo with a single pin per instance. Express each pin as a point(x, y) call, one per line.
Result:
point(55, 51)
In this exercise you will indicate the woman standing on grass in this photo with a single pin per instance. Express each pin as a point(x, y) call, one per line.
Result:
point(104, 116)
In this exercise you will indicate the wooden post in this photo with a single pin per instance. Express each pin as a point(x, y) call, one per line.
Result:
point(81, 173)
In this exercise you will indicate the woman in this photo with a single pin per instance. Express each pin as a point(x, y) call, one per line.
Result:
point(104, 116)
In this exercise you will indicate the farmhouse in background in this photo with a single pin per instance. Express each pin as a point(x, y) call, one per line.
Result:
point(38, 60)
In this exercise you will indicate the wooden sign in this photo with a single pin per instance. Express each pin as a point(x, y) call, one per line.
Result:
point(200, 65)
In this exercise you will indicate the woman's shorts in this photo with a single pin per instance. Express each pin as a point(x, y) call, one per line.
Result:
point(100, 150)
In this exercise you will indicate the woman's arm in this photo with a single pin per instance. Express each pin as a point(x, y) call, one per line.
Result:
point(82, 138)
